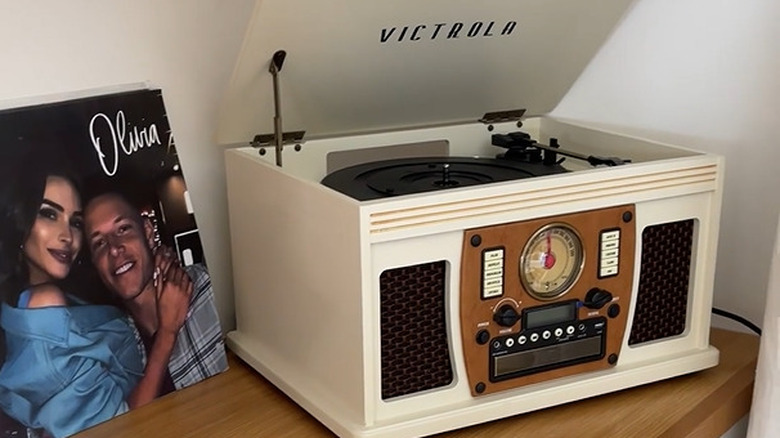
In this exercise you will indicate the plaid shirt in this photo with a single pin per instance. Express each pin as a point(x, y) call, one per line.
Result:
point(200, 350)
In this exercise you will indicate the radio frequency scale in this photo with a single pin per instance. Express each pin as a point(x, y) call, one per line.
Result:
point(417, 247)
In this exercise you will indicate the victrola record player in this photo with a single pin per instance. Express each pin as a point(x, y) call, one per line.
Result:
point(417, 247)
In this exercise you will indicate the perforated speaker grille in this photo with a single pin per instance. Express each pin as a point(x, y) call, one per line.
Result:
point(415, 351)
point(664, 277)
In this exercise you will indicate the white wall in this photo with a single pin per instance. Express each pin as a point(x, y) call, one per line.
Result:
point(704, 74)
point(186, 47)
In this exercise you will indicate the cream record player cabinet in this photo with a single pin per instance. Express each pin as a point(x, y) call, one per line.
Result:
point(417, 247)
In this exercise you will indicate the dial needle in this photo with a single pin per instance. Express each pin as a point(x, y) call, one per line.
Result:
point(549, 258)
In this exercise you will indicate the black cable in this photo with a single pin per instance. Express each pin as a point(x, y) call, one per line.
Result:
point(737, 318)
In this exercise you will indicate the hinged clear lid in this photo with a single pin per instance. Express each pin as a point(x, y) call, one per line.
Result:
point(355, 66)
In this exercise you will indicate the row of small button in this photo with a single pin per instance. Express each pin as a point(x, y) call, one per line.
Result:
point(534, 337)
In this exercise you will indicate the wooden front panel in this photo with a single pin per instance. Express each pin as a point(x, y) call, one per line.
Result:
point(480, 300)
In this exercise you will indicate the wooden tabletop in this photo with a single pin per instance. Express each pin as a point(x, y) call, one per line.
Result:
point(241, 403)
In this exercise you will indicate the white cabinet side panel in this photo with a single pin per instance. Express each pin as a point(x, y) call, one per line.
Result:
point(297, 286)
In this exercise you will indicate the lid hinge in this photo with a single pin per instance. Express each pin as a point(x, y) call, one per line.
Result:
point(268, 140)
point(502, 116)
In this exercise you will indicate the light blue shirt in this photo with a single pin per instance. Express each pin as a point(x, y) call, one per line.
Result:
point(67, 368)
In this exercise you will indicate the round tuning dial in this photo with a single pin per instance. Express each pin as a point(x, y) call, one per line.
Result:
point(506, 316)
point(551, 261)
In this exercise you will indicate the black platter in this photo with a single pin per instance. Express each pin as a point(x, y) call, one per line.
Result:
point(405, 176)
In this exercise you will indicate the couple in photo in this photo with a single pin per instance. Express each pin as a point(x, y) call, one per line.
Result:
point(69, 364)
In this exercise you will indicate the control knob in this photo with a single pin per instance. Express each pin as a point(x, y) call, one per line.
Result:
point(506, 316)
point(597, 298)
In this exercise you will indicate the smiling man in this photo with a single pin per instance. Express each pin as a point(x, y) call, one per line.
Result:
point(121, 245)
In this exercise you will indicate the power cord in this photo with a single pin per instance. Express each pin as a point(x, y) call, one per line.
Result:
point(737, 318)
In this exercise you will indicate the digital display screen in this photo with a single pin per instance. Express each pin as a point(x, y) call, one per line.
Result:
point(525, 361)
point(540, 317)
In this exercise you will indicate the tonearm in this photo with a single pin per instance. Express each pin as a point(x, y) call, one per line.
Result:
point(518, 143)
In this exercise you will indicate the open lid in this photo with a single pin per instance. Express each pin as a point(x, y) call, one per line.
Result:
point(356, 66)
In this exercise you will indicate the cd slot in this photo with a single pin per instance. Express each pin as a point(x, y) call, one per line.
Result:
point(547, 358)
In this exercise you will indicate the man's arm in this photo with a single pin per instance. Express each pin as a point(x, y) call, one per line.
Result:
point(173, 296)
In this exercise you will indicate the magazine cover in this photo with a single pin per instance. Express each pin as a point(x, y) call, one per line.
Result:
point(106, 298)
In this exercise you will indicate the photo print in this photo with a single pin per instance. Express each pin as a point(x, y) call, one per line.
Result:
point(107, 302)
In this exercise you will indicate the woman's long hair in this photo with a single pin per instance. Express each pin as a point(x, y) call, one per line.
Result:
point(21, 195)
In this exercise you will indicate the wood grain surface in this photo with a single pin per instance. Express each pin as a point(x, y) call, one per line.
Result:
point(241, 403)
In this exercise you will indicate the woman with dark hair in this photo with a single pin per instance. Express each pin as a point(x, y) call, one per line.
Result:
point(68, 364)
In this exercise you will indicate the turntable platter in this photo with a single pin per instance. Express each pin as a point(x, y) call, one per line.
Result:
point(406, 176)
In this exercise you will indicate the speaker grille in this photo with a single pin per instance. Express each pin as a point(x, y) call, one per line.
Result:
point(415, 351)
point(664, 279)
